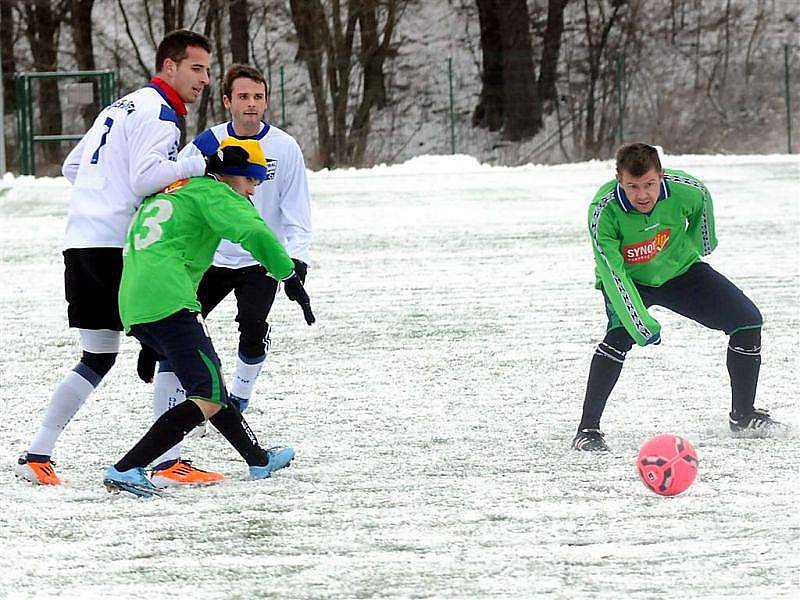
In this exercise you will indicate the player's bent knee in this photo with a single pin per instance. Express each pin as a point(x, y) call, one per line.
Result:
point(616, 344)
point(254, 338)
point(746, 341)
point(98, 364)
point(209, 408)
point(748, 317)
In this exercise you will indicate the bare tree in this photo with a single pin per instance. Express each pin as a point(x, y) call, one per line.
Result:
point(239, 23)
point(550, 50)
point(598, 29)
point(489, 111)
point(211, 24)
point(374, 52)
point(505, 28)
point(173, 14)
point(9, 63)
point(144, 69)
point(327, 46)
point(42, 24)
point(82, 35)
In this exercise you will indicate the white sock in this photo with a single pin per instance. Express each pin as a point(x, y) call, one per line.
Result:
point(167, 393)
point(245, 379)
point(67, 399)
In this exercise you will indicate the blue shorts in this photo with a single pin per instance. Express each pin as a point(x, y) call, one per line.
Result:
point(702, 295)
point(182, 340)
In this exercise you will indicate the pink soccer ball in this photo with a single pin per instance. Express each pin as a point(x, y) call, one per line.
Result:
point(667, 464)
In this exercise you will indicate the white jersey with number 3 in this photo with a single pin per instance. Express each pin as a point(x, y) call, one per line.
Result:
point(129, 152)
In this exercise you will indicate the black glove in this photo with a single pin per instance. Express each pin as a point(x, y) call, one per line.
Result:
point(297, 293)
point(146, 364)
point(301, 269)
point(229, 156)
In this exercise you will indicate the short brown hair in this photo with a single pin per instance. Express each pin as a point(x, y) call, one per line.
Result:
point(637, 159)
point(237, 71)
point(175, 43)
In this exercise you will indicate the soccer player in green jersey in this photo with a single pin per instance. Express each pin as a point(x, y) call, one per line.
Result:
point(649, 228)
point(170, 244)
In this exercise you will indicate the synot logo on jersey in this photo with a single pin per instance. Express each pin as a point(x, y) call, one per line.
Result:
point(645, 251)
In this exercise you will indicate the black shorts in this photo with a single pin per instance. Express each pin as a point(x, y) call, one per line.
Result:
point(183, 340)
point(91, 287)
point(702, 295)
point(253, 287)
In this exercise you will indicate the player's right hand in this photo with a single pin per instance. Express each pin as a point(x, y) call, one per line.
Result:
point(146, 364)
point(297, 293)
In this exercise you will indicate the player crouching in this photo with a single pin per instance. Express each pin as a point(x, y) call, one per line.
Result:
point(170, 245)
point(649, 229)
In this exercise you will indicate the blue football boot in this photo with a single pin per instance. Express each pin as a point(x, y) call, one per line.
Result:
point(134, 481)
point(277, 458)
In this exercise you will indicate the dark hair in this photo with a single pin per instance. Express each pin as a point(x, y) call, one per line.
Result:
point(175, 43)
point(637, 159)
point(237, 71)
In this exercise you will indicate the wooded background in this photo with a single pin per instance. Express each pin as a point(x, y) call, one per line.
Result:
point(359, 82)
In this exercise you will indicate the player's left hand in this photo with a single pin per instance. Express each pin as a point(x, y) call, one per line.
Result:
point(301, 269)
point(297, 293)
point(146, 364)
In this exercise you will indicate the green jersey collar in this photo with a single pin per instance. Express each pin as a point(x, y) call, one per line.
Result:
point(626, 205)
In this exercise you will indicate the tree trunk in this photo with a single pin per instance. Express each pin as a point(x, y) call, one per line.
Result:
point(489, 111)
point(173, 14)
point(597, 42)
point(212, 17)
point(309, 22)
point(9, 64)
point(238, 15)
point(81, 25)
point(340, 64)
point(520, 97)
point(327, 46)
point(550, 50)
point(43, 22)
point(374, 52)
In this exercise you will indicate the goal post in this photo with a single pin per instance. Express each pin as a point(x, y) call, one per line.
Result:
point(82, 92)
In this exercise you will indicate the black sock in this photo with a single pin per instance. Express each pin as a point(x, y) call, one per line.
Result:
point(603, 374)
point(231, 424)
point(744, 364)
point(168, 430)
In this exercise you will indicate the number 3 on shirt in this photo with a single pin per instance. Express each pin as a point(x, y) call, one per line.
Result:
point(163, 211)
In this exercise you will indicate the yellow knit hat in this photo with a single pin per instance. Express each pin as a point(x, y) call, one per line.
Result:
point(255, 165)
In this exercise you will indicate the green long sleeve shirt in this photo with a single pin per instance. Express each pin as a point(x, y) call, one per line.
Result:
point(171, 243)
point(631, 247)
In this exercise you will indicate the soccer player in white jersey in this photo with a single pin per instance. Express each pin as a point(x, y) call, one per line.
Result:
point(131, 151)
point(283, 202)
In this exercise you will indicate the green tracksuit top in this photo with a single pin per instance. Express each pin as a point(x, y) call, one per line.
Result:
point(171, 243)
point(648, 249)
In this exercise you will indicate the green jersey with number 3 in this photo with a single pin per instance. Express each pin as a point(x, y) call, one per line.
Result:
point(171, 243)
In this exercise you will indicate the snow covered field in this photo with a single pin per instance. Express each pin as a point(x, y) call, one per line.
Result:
point(431, 407)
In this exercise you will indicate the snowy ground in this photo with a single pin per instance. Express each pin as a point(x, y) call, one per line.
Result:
point(431, 408)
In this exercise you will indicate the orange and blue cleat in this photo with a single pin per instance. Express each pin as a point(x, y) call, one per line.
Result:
point(179, 472)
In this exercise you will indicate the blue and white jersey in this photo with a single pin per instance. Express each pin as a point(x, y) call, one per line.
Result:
point(282, 200)
point(128, 153)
